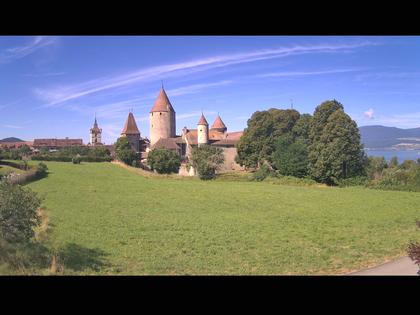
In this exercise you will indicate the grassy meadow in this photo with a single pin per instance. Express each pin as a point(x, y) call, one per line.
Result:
point(111, 220)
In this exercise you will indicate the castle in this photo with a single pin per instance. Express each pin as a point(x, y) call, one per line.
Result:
point(162, 119)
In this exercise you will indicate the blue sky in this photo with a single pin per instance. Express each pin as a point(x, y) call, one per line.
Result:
point(53, 86)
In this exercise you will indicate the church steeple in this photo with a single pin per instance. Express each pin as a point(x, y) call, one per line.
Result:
point(95, 134)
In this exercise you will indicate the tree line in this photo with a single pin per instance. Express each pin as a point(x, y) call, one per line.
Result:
point(324, 146)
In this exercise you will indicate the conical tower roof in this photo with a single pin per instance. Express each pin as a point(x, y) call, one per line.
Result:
point(95, 126)
point(162, 103)
point(130, 127)
point(218, 124)
point(202, 120)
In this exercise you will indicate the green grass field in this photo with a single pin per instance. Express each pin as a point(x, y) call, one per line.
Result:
point(109, 220)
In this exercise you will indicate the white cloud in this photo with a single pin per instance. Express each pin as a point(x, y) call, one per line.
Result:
point(369, 113)
point(55, 96)
point(18, 52)
point(303, 73)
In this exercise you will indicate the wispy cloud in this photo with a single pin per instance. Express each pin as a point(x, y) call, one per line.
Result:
point(18, 52)
point(194, 114)
point(303, 73)
point(387, 75)
point(48, 74)
point(12, 126)
point(120, 109)
point(59, 95)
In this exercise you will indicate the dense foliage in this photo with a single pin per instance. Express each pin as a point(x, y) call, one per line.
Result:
point(259, 139)
point(325, 146)
point(86, 154)
point(335, 150)
point(18, 212)
point(164, 161)
point(124, 152)
point(206, 160)
point(291, 156)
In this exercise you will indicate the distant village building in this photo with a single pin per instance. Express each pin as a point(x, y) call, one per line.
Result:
point(95, 135)
point(56, 144)
point(162, 120)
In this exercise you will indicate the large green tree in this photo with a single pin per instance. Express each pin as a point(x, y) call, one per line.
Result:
point(263, 129)
point(164, 161)
point(291, 156)
point(124, 152)
point(336, 151)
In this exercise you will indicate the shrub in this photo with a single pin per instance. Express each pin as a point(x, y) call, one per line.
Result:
point(124, 151)
point(353, 181)
point(135, 163)
point(413, 250)
point(164, 161)
point(18, 213)
point(262, 173)
point(76, 160)
point(206, 160)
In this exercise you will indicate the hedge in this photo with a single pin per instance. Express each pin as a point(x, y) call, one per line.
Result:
point(69, 159)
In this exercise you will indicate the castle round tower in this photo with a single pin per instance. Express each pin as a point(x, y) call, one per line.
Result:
point(162, 119)
point(202, 131)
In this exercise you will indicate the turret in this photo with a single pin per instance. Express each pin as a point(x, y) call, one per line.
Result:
point(132, 132)
point(219, 125)
point(202, 131)
point(162, 119)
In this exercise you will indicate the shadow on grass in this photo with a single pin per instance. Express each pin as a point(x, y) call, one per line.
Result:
point(78, 258)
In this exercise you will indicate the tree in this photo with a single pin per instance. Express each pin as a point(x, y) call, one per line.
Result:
point(206, 160)
point(393, 162)
point(336, 151)
point(99, 152)
point(375, 166)
point(18, 213)
point(124, 151)
point(259, 139)
point(291, 156)
point(164, 161)
point(302, 128)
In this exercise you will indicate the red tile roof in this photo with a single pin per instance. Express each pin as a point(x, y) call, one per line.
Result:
point(169, 143)
point(219, 124)
point(130, 127)
point(57, 142)
point(202, 121)
point(162, 103)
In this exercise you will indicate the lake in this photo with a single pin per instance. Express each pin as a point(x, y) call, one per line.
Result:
point(402, 155)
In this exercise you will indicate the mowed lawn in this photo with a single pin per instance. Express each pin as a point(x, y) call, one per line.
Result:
point(109, 220)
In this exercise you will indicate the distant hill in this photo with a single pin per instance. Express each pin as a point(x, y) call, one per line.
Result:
point(11, 139)
point(380, 137)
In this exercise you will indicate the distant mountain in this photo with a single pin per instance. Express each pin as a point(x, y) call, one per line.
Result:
point(11, 139)
point(380, 137)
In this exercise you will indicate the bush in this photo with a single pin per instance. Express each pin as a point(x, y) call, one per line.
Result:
point(164, 161)
point(353, 181)
point(262, 173)
point(413, 250)
point(76, 160)
point(18, 213)
point(206, 160)
point(124, 151)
